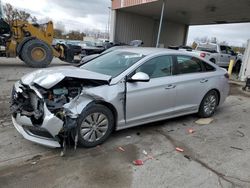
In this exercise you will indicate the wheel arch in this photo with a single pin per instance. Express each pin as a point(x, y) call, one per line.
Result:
point(110, 107)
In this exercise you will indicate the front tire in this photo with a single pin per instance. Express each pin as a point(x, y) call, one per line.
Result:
point(208, 104)
point(36, 53)
point(95, 125)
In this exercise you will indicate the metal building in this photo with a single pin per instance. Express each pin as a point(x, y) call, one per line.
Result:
point(140, 19)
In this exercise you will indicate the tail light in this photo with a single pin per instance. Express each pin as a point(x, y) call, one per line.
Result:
point(203, 55)
point(226, 75)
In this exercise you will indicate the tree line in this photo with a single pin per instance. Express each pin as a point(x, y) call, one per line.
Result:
point(11, 14)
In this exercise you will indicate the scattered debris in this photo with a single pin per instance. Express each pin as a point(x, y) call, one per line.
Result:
point(148, 157)
point(236, 148)
point(241, 134)
point(191, 131)
point(204, 121)
point(128, 137)
point(170, 130)
point(34, 160)
point(121, 149)
point(6, 124)
point(188, 157)
point(144, 152)
point(138, 162)
point(179, 149)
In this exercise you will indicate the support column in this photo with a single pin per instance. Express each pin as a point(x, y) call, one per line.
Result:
point(160, 24)
point(245, 67)
point(112, 26)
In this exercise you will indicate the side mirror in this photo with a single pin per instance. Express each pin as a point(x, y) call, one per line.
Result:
point(139, 77)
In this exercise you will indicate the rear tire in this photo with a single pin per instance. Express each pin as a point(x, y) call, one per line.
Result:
point(95, 125)
point(20, 57)
point(208, 104)
point(36, 53)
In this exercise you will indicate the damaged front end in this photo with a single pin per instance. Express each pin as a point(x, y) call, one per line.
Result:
point(46, 115)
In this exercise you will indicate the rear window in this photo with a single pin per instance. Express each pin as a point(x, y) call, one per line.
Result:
point(189, 64)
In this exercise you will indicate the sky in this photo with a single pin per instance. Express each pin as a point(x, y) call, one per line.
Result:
point(74, 14)
point(94, 14)
point(233, 34)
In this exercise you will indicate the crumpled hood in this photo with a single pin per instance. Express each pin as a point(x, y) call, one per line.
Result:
point(49, 77)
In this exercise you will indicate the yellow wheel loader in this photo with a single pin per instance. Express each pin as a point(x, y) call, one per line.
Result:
point(32, 43)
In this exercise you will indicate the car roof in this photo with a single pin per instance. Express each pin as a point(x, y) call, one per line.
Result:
point(149, 50)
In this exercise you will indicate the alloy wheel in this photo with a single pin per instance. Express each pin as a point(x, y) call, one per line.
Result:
point(94, 127)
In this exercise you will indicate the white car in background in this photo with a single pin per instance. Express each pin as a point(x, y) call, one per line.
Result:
point(218, 54)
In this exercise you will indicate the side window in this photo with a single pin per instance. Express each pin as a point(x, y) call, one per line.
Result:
point(223, 49)
point(188, 64)
point(157, 67)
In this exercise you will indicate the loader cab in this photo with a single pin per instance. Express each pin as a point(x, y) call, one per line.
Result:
point(4, 27)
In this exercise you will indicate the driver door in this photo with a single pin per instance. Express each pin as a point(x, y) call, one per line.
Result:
point(155, 99)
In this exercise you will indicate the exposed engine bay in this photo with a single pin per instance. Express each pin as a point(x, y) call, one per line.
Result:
point(45, 107)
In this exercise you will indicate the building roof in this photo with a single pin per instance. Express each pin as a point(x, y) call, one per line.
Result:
point(190, 12)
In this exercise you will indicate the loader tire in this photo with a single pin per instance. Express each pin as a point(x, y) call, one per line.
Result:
point(20, 57)
point(36, 53)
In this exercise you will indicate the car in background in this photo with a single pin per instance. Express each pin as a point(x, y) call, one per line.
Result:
point(89, 48)
point(93, 56)
point(218, 54)
point(117, 90)
point(111, 47)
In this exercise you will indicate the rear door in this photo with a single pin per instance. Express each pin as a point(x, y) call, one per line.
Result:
point(151, 100)
point(191, 83)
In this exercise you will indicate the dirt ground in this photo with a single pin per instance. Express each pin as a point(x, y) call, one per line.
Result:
point(215, 155)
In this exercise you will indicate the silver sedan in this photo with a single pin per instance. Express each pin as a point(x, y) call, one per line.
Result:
point(117, 90)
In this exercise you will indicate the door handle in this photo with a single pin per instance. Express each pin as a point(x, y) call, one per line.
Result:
point(203, 80)
point(170, 86)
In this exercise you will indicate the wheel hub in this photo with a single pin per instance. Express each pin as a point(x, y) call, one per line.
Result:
point(38, 54)
point(94, 127)
point(210, 104)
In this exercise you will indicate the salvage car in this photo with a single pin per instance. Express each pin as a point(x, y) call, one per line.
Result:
point(121, 89)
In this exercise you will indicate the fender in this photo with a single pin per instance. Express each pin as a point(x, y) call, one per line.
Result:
point(20, 45)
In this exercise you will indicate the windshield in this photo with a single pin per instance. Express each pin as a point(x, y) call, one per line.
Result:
point(112, 63)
